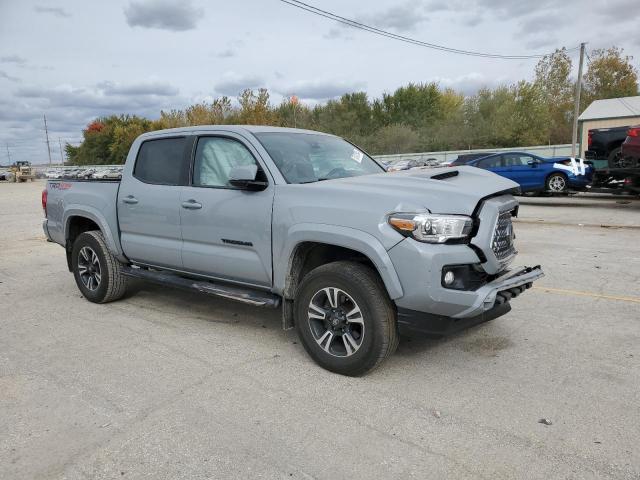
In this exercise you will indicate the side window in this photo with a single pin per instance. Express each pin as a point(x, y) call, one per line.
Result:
point(515, 160)
point(491, 162)
point(215, 157)
point(162, 162)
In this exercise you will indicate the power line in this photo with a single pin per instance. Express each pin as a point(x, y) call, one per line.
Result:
point(402, 38)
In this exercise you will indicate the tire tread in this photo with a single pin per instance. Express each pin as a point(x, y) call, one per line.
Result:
point(375, 290)
point(116, 281)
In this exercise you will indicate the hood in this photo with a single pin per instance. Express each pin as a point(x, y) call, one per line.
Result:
point(364, 202)
point(440, 190)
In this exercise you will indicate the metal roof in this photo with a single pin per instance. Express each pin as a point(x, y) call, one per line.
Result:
point(612, 108)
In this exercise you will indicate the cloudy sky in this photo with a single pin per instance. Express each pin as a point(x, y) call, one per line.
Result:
point(76, 60)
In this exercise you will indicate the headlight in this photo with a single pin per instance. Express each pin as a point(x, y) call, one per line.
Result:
point(430, 227)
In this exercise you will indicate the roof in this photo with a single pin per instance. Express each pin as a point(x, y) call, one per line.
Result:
point(612, 108)
point(228, 128)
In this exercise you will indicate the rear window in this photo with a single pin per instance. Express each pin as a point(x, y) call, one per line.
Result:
point(162, 162)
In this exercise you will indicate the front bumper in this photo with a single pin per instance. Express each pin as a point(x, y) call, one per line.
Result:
point(492, 301)
point(412, 322)
point(502, 289)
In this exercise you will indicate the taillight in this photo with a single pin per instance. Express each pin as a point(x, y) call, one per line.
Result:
point(44, 201)
point(633, 132)
point(589, 138)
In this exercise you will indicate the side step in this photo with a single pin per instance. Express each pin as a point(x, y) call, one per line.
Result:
point(245, 295)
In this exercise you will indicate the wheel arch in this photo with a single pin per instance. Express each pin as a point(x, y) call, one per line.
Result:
point(80, 221)
point(309, 246)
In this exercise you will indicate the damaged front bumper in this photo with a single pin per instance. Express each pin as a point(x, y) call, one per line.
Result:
point(502, 289)
point(492, 301)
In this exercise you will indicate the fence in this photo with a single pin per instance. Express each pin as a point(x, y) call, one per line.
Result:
point(445, 156)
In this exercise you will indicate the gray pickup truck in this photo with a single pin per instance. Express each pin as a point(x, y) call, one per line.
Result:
point(302, 221)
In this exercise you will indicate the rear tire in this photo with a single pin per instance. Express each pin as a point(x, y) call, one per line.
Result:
point(336, 338)
point(557, 183)
point(97, 272)
point(615, 158)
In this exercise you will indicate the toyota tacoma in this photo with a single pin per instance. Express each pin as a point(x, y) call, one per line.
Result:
point(301, 221)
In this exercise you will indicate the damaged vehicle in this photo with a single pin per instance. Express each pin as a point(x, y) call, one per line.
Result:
point(301, 221)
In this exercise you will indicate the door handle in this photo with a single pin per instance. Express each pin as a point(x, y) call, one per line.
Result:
point(130, 199)
point(191, 205)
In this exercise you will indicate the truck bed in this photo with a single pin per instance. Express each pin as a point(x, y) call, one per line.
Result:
point(95, 198)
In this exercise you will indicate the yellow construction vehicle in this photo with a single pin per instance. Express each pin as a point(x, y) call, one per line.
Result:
point(22, 171)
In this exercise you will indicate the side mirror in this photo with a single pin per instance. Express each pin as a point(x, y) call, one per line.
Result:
point(244, 177)
point(532, 163)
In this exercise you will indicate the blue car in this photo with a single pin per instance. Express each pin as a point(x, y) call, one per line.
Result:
point(538, 174)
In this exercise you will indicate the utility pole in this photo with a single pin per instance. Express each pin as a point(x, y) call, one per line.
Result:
point(47, 134)
point(61, 155)
point(8, 153)
point(576, 106)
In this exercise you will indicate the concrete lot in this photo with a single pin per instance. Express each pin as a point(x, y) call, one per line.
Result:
point(166, 384)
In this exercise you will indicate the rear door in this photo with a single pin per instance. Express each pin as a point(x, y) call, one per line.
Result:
point(226, 231)
point(524, 169)
point(149, 202)
point(493, 164)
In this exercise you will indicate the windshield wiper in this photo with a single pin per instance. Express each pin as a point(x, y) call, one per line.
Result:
point(321, 179)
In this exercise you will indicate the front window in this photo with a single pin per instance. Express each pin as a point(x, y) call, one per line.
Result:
point(307, 157)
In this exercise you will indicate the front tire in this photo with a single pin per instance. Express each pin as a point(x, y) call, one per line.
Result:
point(557, 183)
point(345, 319)
point(97, 272)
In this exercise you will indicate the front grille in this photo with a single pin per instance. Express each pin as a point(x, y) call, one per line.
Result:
point(502, 242)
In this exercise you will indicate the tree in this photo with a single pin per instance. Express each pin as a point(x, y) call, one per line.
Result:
point(415, 105)
point(553, 79)
point(394, 139)
point(254, 108)
point(610, 75)
point(531, 115)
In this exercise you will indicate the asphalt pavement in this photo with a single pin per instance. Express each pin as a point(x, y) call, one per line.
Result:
point(166, 384)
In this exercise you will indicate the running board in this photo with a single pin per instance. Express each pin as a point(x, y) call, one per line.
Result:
point(245, 295)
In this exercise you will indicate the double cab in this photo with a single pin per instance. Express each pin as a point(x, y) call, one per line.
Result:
point(301, 221)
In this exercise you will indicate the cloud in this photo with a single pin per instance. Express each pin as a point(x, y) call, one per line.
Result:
point(502, 9)
point(232, 84)
point(339, 31)
point(227, 53)
point(535, 24)
point(541, 41)
point(6, 76)
point(15, 59)
point(319, 89)
point(403, 17)
point(163, 14)
point(470, 83)
point(104, 98)
point(57, 11)
point(151, 88)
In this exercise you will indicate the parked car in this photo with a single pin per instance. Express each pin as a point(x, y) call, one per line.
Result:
point(406, 164)
point(464, 159)
point(605, 146)
point(538, 174)
point(302, 221)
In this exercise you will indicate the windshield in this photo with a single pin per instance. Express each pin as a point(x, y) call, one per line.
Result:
point(307, 157)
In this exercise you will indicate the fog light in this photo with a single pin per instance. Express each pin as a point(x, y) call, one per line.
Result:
point(449, 278)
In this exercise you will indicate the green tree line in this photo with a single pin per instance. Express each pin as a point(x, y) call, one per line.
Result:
point(415, 117)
